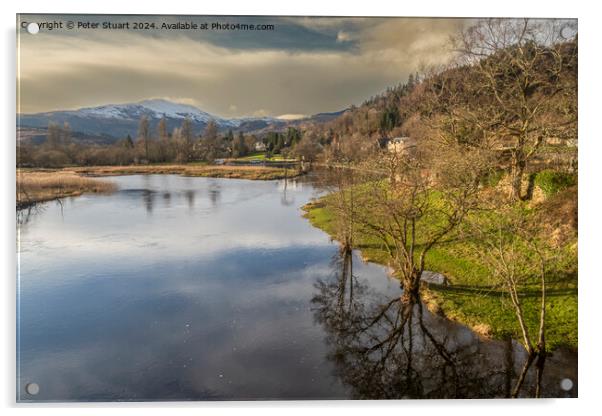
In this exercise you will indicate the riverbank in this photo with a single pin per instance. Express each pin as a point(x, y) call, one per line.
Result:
point(40, 185)
point(472, 298)
point(194, 169)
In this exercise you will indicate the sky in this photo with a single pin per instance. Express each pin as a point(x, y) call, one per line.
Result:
point(304, 66)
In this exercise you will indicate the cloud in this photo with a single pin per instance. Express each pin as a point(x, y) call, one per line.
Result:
point(181, 100)
point(343, 36)
point(64, 71)
point(292, 116)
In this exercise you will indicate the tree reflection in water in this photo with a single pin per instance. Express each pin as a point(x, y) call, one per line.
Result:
point(385, 349)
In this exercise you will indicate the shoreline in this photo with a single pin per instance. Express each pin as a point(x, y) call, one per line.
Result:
point(38, 185)
point(192, 170)
point(478, 308)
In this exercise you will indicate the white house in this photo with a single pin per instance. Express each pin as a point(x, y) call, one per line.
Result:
point(401, 145)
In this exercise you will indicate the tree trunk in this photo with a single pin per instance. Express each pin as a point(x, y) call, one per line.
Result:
point(518, 171)
point(411, 290)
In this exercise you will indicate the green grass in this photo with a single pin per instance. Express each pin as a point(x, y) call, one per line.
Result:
point(253, 156)
point(551, 182)
point(472, 298)
point(260, 156)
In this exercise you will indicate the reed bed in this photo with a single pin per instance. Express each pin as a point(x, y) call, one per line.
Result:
point(39, 186)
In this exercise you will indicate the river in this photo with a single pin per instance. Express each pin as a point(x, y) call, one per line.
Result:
point(180, 288)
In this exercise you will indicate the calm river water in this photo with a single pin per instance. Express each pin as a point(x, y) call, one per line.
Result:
point(177, 288)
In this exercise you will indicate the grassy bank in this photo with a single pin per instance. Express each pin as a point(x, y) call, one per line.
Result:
point(38, 186)
point(472, 298)
point(260, 156)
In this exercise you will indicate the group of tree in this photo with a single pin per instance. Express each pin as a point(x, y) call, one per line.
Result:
point(154, 145)
point(512, 87)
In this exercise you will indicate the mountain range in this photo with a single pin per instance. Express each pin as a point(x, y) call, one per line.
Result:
point(110, 122)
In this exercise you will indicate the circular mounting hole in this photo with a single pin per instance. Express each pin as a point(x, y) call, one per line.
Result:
point(33, 28)
point(566, 384)
point(32, 388)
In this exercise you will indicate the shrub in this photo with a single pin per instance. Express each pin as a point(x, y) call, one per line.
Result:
point(493, 178)
point(51, 159)
point(551, 182)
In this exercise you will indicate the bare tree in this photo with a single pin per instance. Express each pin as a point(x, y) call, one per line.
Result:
point(187, 137)
point(308, 148)
point(210, 145)
point(162, 129)
point(144, 135)
point(412, 203)
point(521, 80)
point(54, 136)
point(509, 242)
point(66, 134)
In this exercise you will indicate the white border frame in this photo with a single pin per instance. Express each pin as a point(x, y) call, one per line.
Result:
point(589, 217)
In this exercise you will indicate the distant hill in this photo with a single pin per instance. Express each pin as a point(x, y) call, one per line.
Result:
point(119, 120)
point(107, 123)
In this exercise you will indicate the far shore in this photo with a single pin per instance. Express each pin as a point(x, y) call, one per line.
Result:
point(35, 185)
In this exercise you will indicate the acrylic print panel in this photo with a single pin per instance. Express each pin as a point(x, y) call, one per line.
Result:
point(264, 207)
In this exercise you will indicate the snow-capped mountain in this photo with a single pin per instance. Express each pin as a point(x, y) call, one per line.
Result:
point(119, 120)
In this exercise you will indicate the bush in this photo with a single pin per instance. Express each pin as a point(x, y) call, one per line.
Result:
point(551, 182)
point(51, 159)
point(492, 178)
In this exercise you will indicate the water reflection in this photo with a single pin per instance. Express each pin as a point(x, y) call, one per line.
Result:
point(190, 198)
point(287, 198)
point(116, 304)
point(385, 349)
point(148, 197)
point(214, 194)
point(26, 214)
point(126, 297)
point(167, 199)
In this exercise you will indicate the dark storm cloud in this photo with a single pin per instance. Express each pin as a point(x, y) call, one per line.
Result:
point(305, 65)
point(290, 34)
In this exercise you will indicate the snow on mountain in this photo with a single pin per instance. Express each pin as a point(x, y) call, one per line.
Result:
point(158, 108)
point(119, 120)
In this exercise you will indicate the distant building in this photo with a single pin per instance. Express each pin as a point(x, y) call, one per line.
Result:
point(557, 141)
point(259, 146)
point(553, 141)
point(401, 145)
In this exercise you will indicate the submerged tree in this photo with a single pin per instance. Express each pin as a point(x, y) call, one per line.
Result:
point(519, 257)
point(412, 202)
point(384, 349)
